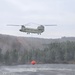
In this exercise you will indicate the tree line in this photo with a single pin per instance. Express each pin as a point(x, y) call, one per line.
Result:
point(56, 52)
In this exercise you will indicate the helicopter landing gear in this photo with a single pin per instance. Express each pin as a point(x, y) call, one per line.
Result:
point(39, 33)
point(28, 33)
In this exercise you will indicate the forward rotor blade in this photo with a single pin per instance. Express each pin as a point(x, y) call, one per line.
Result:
point(14, 25)
point(50, 25)
point(17, 25)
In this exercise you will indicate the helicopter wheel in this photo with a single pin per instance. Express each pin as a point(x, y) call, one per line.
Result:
point(28, 33)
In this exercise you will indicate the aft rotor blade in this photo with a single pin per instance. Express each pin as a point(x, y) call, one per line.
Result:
point(41, 24)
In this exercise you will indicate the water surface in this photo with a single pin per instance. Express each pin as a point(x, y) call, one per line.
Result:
point(39, 69)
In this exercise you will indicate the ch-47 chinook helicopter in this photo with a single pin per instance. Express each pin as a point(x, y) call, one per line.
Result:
point(40, 29)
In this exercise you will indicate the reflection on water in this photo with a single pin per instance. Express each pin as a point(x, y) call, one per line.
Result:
point(40, 69)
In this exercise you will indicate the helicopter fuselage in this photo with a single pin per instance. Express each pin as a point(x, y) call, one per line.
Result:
point(38, 30)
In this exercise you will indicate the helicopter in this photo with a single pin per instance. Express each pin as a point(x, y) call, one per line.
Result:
point(40, 29)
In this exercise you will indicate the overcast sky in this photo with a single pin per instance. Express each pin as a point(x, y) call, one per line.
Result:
point(60, 12)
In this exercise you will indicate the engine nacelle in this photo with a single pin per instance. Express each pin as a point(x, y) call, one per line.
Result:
point(41, 28)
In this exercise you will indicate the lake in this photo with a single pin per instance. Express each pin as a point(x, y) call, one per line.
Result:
point(39, 69)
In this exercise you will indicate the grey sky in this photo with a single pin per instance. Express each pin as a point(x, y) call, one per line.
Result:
point(60, 12)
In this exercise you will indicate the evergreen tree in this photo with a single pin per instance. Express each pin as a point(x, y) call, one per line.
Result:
point(7, 57)
point(14, 56)
point(1, 56)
